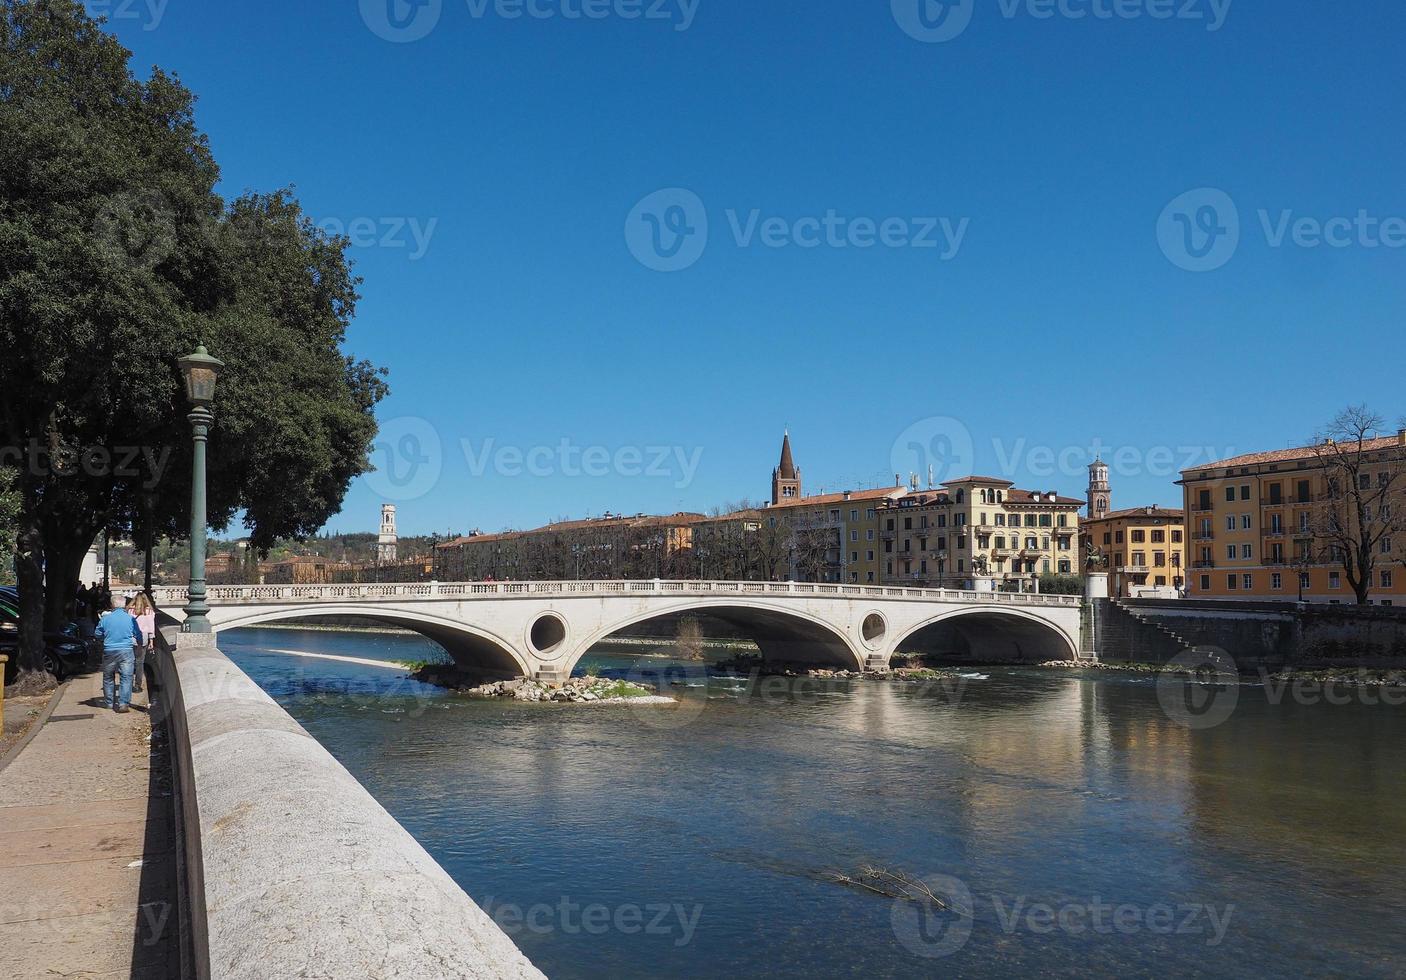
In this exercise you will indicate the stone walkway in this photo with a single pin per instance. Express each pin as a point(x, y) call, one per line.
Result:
point(87, 865)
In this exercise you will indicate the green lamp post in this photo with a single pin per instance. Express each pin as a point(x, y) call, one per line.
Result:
point(200, 371)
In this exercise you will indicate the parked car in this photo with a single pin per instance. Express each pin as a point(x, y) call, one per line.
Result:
point(65, 653)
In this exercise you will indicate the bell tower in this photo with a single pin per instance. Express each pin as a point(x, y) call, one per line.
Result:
point(386, 540)
point(785, 479)
point(1100, 498)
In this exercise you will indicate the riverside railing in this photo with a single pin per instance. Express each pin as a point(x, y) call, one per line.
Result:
point(171, 596)
point(287, 865)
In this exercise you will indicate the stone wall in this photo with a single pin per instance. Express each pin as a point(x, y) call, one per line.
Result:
point(1270, 635)
point(291, 868)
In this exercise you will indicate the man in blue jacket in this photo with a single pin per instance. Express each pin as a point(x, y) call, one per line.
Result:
point(119, 632)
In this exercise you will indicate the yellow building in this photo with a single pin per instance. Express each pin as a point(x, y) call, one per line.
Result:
point(1145, 548)
point(978, 527)
point(1256, 521)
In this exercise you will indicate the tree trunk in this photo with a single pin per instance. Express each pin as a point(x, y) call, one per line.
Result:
point(29, 576)
point(64, 566)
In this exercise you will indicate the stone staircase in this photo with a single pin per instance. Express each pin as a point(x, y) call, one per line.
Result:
point(1160, 638)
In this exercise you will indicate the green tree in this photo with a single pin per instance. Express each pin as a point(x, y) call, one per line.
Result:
point(116, 258)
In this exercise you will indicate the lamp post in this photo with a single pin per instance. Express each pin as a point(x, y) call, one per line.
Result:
point(200, 371)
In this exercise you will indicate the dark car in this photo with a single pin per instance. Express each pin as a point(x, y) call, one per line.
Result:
point(64, 653)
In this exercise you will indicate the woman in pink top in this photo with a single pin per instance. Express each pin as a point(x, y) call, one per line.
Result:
point(145, 611)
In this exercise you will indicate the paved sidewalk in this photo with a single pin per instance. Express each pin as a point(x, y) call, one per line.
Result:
point(87, 866)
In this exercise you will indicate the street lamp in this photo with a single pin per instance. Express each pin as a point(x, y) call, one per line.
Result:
point(200, 371)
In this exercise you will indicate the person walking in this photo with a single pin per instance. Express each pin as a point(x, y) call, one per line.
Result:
point(120, 635)
point(145, 611)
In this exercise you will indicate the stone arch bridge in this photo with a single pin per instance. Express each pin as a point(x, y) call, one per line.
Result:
point(541, 629)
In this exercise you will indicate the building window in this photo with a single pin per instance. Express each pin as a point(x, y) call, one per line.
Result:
point(1276, 581)
point(1107, 537)
point(1230, 522)
point(854, 535)
point(1245, 492)
point(1205, 583)
point(1230, 552)
point(1386, 579)
point(1159, 537)
point(1249, 582)
point(1230, 494)
point(1176, 536)
point(1231, 582)
point(1335, 580)
point(1119, 537)
point(1139, 537)
point(1245, 522)
point(1303, 580)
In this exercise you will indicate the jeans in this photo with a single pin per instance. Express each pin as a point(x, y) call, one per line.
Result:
point(115, 662)
point(140, 666)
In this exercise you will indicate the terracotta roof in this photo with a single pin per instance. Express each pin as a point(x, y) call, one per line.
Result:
point(825, 499)
point(1029, 497)
point(1291, 455)
point(979, 479)
point(1173, 513)
point(638, 520)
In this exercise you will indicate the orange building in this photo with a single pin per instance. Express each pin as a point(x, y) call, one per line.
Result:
point(1255, 523)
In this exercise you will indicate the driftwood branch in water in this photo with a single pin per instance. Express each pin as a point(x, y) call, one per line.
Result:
point(890, 884)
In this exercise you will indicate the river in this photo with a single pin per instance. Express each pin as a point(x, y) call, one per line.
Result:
point(1069, 824)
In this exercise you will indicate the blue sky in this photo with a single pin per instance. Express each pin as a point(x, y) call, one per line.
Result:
point(1036, 283)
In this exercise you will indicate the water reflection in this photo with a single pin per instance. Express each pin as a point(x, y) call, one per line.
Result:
point(1028, 786)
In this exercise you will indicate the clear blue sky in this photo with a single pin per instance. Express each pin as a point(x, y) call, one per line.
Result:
point(1061, 320)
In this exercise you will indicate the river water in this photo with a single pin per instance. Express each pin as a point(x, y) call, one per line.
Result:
point(1069, 824)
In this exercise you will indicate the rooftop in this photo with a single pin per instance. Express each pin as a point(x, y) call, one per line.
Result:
point(1297, 453)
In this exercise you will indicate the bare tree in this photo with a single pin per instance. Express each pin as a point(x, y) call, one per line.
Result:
point(1361, 508)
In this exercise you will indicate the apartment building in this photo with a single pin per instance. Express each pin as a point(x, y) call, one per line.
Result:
point(1258, 523)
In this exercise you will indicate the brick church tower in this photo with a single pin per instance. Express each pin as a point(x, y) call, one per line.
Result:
point(785, 479)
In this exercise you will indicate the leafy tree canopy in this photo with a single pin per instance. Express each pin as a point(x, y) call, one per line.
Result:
point(117, 257)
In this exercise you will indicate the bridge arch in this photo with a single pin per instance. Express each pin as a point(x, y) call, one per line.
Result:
point(991, 635)
point(782, 635)
point(476, 650)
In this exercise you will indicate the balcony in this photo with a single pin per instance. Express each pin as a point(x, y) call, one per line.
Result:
point(1204, 564)
point(1205, 535)
point(1135, 570)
